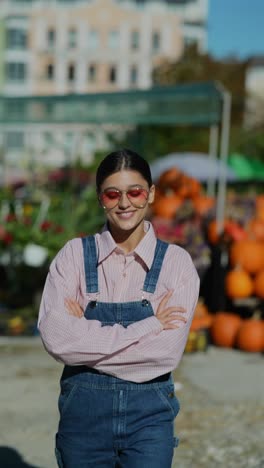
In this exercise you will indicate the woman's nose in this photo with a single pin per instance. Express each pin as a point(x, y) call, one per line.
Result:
point(124, 201)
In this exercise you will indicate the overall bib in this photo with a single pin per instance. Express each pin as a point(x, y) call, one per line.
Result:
point(106, 421)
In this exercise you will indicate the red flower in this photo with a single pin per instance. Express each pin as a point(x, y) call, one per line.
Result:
point(10, 218)
point(2, 232)
point(27, 221)
point(45, 225)
point(58, 229)
point(8, 238)
point(81, 234)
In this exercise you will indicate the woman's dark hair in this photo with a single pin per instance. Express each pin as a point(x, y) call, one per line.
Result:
point(123, 159)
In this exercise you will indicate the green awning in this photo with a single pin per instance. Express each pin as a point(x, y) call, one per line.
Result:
point(245, 167)
point(197, 104)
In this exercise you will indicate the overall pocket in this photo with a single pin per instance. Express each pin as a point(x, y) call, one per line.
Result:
point(169, 399)
point(66, 396)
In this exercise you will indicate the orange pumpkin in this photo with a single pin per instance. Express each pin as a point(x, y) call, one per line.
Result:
point(256, 228)
point(202, 318)
point(249, 254)
point(195, 187)
point(212, 231)
point(166, 206)
point(250, 336)
point(238, 284)
point(169, 179)
point(201, 309)
point(235, 231)
point(199, 323)
point(260, 207)
point(184, 187)
point(203, 204)
point(224, 329)
point(259, 284)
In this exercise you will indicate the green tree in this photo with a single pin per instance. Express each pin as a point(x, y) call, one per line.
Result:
point(156, 140)
point(195, 67)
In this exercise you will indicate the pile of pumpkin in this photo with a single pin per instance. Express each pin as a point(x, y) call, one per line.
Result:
point(173, 188)
point(246, 254)
point(229, 330)
point(225, 329)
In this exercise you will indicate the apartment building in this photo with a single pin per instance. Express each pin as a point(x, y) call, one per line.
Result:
point(57, 47)
point(254, 111)
point(61, 46)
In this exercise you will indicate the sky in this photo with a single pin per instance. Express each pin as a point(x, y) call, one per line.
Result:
point(236, 27)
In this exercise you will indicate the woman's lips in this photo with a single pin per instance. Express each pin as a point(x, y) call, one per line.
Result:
point(125, 214)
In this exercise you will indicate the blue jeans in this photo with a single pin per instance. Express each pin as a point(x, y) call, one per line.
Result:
point(107, 422)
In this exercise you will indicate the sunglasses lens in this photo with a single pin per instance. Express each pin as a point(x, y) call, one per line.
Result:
point(137, 197)
point(110, 198)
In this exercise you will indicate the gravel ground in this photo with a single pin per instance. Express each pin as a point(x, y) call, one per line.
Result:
point(220, 423)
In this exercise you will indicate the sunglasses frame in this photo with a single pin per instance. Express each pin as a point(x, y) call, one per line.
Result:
point(120, 193)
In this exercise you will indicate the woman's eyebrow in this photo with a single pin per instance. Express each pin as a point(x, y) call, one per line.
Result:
point(129, 186)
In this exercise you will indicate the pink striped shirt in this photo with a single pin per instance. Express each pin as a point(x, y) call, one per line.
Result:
point(143, 350)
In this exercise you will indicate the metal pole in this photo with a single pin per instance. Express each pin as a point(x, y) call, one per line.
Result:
point(3, 159)
point(224, 149)
point(213, 146)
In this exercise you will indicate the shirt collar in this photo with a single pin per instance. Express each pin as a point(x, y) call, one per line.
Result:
point(145, 249)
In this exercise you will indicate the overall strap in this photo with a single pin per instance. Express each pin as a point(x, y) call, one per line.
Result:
point(153, 274)
point(90, 264)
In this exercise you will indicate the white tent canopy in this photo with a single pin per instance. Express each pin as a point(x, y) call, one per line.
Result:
point(197, 165)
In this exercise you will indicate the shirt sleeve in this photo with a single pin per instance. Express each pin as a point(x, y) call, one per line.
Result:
point(156, 354)
point(79, 341)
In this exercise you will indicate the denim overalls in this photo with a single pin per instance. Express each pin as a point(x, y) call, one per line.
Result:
point(106, 421)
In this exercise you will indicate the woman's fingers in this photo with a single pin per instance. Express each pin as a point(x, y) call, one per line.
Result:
point(169, 315)
point(172, 310)
point(172, 318)
point(73, 307)
point(164, 301)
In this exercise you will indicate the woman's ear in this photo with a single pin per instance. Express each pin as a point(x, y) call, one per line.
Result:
point(151, 194)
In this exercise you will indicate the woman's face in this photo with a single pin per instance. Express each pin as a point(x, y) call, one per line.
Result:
point(126, 211)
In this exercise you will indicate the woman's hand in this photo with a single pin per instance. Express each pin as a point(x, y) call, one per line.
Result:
point(73, 308)
point(168, 315)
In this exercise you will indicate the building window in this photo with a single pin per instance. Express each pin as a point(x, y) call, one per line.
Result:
point(72, 38)
point(93, 39)
point(14, 140)
point(47, 138)
point(113, 39)
point(112, 74)
point(16, 71)
point(68, 141)
point(92, 73)
point(156, 41)
point(16, 39)
point(51, 37)
point(133, 75)
point(71, 72)
point(135, 40)
point(15, 109)
point(50, 71)
point(190, 41)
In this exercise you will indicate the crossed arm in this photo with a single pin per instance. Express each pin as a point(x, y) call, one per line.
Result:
point(150, 347)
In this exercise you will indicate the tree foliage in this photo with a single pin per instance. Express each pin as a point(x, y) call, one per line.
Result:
point(249, 142)
point(194, 67)
point(154, 141)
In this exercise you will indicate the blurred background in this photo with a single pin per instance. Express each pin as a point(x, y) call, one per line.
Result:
point(181, 82)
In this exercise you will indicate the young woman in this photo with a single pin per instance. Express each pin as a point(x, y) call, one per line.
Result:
point(116, 310)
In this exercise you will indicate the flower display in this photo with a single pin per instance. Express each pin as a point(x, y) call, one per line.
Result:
point(32, 231)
